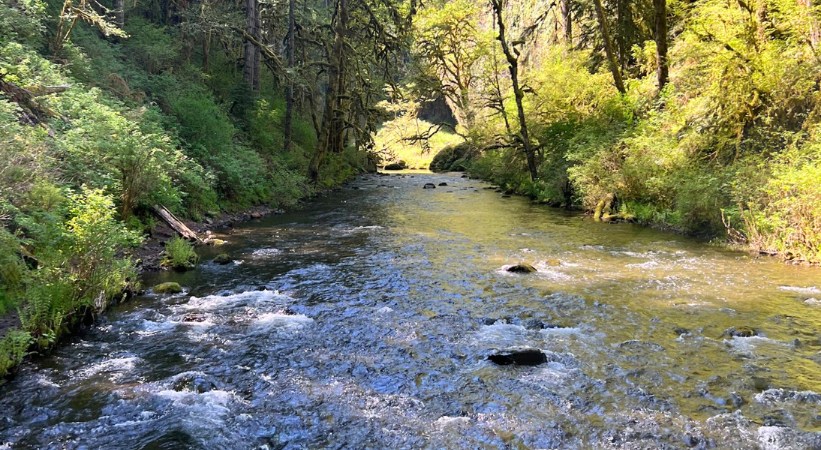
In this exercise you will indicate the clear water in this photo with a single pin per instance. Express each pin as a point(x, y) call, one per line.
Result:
point(365, 321)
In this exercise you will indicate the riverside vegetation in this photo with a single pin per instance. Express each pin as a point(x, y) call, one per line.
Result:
point(699, 116)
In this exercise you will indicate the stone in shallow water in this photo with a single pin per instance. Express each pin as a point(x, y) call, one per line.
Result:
point(740, 332)
point(429, 186)
point(167, 288)
point(223, 259)
point(519, 357)
point(521, 268)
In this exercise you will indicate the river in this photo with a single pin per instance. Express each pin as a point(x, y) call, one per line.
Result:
point(365, 320)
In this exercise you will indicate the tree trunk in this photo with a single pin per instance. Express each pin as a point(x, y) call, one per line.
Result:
point(206, 51)
point(814, 29)
point(175, 223)
point(289, 92)
point(119, 13)
point(258, 35)
point(567, 18)
point(330, 136)
point(608, 47)
point(513, 65)
point(250, 68)
point(660, 7)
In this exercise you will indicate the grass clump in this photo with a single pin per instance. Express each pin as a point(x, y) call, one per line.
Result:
point(180, 254)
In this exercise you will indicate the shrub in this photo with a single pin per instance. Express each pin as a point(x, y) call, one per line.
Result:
point(180, 254)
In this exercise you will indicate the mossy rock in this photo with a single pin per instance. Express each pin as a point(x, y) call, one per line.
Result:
point(168, 288)
point(223, 259)
point(521, 268)
point(401, 165)
point(452, 159)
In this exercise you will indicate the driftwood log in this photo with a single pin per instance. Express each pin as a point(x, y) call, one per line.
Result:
point(32, 112)
point(176, 224)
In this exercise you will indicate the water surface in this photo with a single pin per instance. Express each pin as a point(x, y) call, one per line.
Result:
point(365, 321)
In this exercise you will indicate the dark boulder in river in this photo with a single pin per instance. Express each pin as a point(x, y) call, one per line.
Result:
point(740, 332)
point(521, 268)
point(519, 357)
point(429, 186)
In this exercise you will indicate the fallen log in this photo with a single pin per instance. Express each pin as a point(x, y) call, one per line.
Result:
point(176, 224)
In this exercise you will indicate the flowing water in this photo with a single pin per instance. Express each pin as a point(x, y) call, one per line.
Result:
point(366, 319)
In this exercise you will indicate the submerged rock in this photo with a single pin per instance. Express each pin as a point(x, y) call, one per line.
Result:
point(519, 357)
point(443, 184)
point(167, 288)
point(223, 259)
point(429, 186)
point(521, 268)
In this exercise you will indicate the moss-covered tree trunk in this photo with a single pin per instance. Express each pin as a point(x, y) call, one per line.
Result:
point(289, 92)
point(608, 47)
point(250, 67)
point(330, 135)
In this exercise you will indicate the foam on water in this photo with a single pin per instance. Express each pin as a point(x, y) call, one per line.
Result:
point(214, 302)
point(268, 321)
point(266, 252)
point(808, 290)
point(501, 335)
point(116, 367)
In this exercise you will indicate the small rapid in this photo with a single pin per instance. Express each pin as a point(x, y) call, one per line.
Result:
point(366, 320)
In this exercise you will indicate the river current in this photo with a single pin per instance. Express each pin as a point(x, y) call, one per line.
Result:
point(365, 320)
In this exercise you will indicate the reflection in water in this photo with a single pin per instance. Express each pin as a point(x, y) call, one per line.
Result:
point(366, 320)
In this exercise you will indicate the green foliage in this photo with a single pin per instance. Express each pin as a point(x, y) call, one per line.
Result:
point(152, 47)
point(180, 254)
point(13, 348)
point(76, 244)
point(21, 20)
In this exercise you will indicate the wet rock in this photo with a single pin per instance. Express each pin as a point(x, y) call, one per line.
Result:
point(534, 324)
point(191, 383)
point(736, 400)
point(740, 332)
point(760, 384)
point(167, 288)
point(194, 317)
point(223, 259)
point(519, 357)
point(443, 184)
point(521, 268)
point(679, 331)
point(429, 186)
point(690, 440)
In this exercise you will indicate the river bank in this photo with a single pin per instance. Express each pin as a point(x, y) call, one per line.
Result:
point(148, 259)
